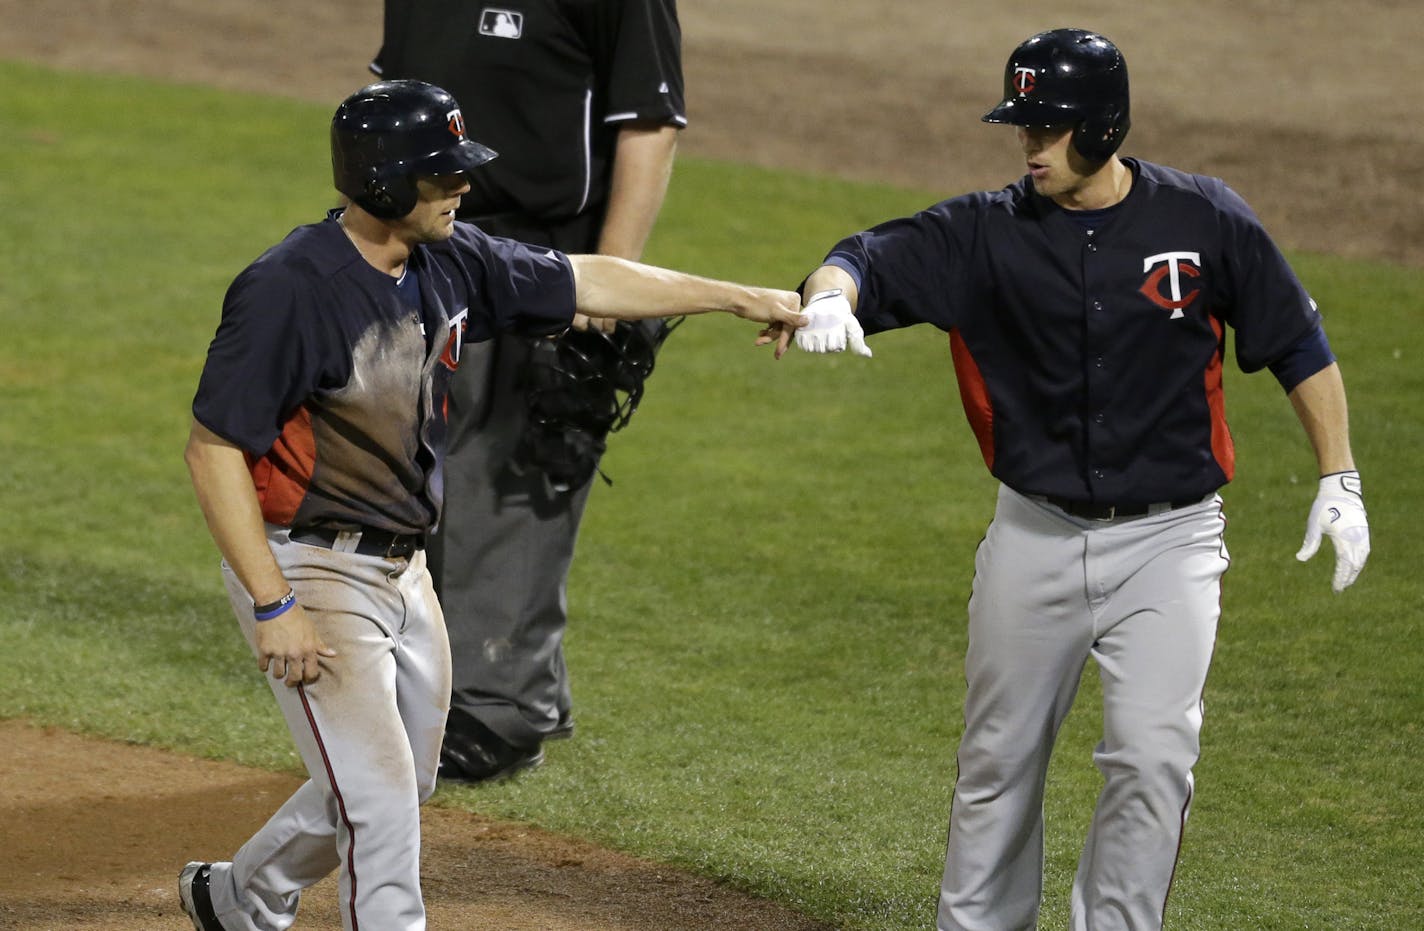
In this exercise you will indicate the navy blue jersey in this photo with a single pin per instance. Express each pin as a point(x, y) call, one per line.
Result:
point(546, 84)
point(333, 377)
point(1090, 360)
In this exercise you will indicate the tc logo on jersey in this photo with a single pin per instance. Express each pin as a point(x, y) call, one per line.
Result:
point(456, 340)
point(1172, 266)
point(502, 24)
point(456, 123)
point(1024, 80)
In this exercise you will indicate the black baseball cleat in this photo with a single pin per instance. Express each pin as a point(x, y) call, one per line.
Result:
point(473, 753)
point(562, 730)
point(193, 894)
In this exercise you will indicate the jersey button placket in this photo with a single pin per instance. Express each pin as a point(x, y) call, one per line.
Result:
point(1095, 309)
point(1096, 324)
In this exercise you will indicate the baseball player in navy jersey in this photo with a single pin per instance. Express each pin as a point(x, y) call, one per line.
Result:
point(1087, 306)
point(316, 450)
point(584, 99)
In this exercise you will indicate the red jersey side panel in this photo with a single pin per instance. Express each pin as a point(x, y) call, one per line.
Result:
point(283, 475)
point(974, 395)
point(1223, 448)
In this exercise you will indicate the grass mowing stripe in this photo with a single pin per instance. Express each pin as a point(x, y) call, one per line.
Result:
point(767, 606)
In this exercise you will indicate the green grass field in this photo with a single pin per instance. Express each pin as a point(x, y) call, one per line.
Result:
point(767, 608)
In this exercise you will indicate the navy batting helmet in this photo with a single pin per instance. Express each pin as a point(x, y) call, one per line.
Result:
point(386, 134)
point(1068, 76)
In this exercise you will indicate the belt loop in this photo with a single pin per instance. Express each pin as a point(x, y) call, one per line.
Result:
point(346, 541)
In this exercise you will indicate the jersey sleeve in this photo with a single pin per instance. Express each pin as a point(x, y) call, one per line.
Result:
point(1303, 360)
point(904, 269)
point(640, 63)
point(1268, 306)
point(261, 364)
point(519, 287)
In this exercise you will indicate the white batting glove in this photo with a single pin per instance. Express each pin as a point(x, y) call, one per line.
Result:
point(833, 325)
point(1339, 513)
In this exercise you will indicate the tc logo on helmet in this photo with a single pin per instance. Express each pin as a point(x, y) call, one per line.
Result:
point(1174, 265)
point(456, 123)
point(1024, 80)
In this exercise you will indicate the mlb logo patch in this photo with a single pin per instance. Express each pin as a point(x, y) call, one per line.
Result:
point(503, 24)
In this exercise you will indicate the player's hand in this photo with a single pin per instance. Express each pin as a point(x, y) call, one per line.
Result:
point(833, 326)
point(1339, 513)
point(779, 310)
point(779, 334)
point(604, 324)
point(289, 646)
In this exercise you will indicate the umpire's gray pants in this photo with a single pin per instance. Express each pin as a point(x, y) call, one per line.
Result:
point(502, 554)
point(1141, 596)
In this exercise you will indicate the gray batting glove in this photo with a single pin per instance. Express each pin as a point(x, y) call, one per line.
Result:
point(832, 325)
point(1339, 513)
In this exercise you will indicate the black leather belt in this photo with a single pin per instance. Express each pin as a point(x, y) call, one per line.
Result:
point(371, 542)
point(1088, 510)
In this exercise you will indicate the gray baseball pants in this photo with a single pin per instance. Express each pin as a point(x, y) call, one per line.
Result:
point(1141, 597)
point(368, 731)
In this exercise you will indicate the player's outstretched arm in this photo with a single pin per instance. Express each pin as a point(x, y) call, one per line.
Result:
point(612, 287)
point(1338, 511)
point(288, 644)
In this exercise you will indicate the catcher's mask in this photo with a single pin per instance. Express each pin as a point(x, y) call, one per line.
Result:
point(579, 388)
point(1068, 76)
point(388, 133)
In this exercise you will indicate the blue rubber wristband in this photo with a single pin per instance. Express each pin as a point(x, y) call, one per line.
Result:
point(279, 607)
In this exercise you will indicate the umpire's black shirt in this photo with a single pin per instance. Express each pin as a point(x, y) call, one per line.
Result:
point(545, 83)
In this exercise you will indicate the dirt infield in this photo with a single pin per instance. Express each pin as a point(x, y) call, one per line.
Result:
point(1313, 119)
point(97, 847)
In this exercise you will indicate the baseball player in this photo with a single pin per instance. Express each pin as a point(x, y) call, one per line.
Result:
point(316, 448)
point(584, 98)
point(1087, 306)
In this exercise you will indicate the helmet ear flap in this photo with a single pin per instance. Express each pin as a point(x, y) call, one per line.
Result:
point(377, 193)
point(1100, 135)
point(389, 199)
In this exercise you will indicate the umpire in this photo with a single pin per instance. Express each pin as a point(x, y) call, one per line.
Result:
point(583, 101)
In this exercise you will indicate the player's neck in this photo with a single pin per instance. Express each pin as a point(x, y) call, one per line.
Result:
point(374, 239)
point(1106, 187)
